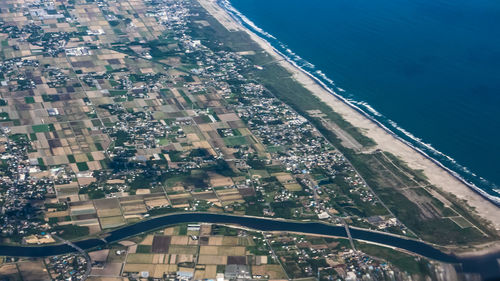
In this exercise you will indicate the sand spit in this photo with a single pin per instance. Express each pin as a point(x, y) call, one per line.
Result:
point(385, 141)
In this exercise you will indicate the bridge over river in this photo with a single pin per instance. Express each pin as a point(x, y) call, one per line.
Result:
point(486, 265)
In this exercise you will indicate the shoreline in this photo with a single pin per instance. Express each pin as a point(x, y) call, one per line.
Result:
point(243, 20)
point(437, 174)
point(479, 191)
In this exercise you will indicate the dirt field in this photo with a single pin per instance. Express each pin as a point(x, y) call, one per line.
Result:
point(226, 192)
point(208, 250)
point(231, 251)
point(110, 269)
point(140, 258)
point(159, 258)
point(223, 250)
point(9, 271)
point(210, 272)
point(231, 197)
point(157, 202)
point(283, 177)
point(180, 240)
point(206, 195)
point(237, 260)
point(135, 207)
point(169, 231)
point(102, 204)
point(230, 241)
point(135, 267)
point(205, 229)
point(161, 244)
point(220, 181)
point(148, 240)
point(101, 255)
point(110, 222)
point(246, 192)
point(185, 258)
point(33, 271)
point(211, 259)
point(215, 240)
point(293, 187)
point(161, 269)
point(109, 212)
point(273, 270)
point(181, 249)
point(184, 196)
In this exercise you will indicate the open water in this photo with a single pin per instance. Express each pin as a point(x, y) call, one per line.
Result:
point(429, 70)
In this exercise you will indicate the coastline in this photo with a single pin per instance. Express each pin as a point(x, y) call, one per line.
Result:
point(437, 174)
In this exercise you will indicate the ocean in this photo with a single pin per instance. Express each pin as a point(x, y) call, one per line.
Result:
point(429, 70)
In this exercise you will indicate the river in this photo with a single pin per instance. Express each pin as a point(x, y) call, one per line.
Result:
point(486, 265)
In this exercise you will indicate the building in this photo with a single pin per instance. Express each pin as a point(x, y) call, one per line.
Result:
point(236, 271)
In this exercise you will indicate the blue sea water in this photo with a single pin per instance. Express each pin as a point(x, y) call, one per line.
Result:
point(427, 69)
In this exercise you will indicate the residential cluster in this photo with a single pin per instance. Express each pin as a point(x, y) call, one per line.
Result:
point(115, 111)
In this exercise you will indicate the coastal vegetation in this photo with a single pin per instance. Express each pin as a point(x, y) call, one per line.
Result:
point(406, 192)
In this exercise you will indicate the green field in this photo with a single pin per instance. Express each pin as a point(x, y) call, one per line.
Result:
point(235, 141)
point(82, 166)
point(29, 99)
point(42, 128)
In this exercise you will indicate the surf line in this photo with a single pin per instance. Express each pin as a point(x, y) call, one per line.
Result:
point(242, 20)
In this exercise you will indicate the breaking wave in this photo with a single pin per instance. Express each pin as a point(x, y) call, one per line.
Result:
point(462, 173)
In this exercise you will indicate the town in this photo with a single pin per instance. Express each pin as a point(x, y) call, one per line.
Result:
point(211, 252)
point(106, 136)
point(112, 112)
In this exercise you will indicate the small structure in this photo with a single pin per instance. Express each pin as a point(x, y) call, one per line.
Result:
point(53, 111)
point(323, 215)
point(193, 227)
point(236, 271)
point(184, 275)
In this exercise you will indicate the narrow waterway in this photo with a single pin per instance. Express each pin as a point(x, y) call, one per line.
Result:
point(485, 265)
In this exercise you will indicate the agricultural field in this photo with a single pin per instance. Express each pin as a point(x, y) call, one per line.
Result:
point(199, 249)
point(121, 122)
point(213, 251)
point(115, 112)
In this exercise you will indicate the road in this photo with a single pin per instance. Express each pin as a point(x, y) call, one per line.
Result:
point(82, 252)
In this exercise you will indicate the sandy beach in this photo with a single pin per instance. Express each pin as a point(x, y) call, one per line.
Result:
point(385, 141)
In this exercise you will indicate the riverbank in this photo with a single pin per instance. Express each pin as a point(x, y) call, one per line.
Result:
point(484, 265)
point(437, 175)
point(248, 222)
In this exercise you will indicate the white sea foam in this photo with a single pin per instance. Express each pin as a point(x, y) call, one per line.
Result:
point(226, 5)
point(367, 106)
point(309, 65)
point(416, 143)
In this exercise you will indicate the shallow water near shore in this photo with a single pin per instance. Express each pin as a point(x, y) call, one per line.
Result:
point(428, 70)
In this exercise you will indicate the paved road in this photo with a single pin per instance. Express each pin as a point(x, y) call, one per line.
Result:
point(82, 252)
